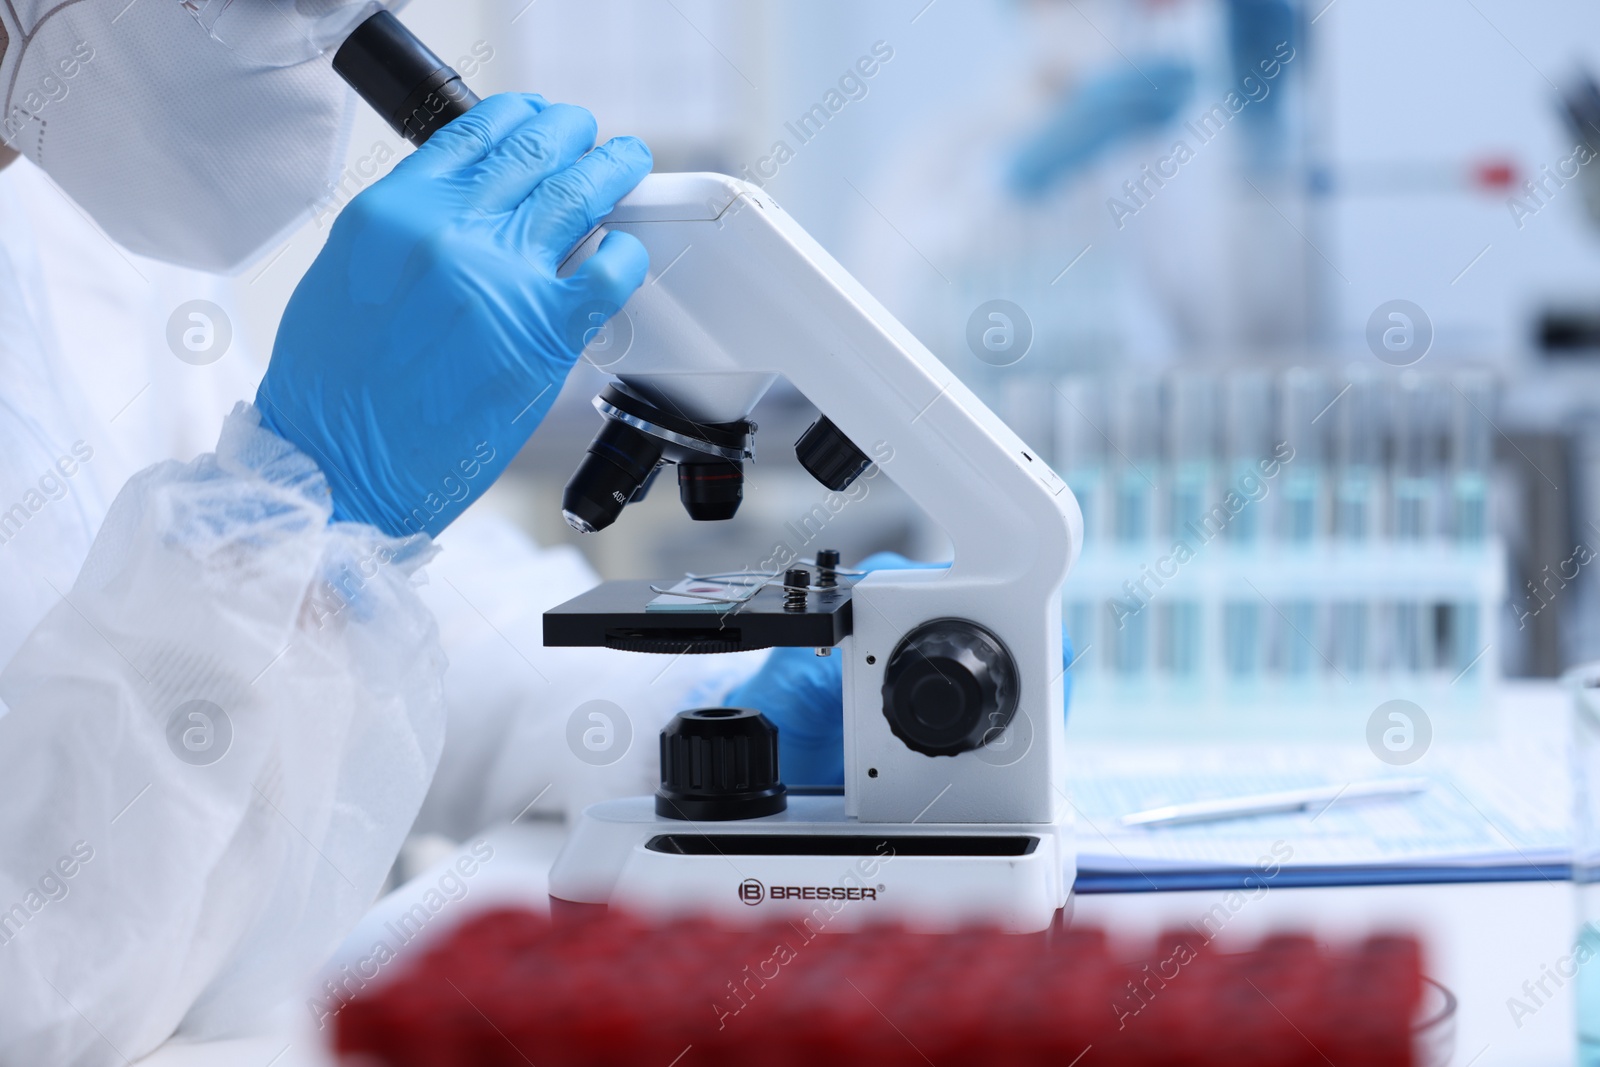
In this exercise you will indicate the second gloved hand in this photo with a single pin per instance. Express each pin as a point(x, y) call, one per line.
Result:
point(432, 333)
point(803, 694)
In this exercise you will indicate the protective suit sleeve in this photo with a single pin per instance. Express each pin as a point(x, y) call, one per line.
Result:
point(212, 749)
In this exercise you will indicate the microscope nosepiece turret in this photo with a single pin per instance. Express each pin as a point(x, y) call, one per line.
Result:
point(636, 438)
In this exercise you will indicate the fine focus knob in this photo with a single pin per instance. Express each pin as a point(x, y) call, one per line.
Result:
point(719, 764)
point(950, 687)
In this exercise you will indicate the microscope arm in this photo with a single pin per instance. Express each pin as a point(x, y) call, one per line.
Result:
point(738, 295)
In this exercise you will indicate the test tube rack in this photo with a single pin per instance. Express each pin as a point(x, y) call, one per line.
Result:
point(508, 987)
point(1275, 550)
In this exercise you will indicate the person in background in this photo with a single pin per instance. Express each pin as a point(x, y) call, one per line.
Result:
point(1057, 183)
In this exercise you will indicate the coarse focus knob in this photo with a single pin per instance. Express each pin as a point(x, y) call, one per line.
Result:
point(951, 686)
point(719, 764)
point(830, 456)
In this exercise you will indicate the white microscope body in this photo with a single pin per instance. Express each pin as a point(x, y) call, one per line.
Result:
point(738, 296)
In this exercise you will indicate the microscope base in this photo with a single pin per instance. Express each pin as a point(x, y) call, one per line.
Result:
point(814, 865)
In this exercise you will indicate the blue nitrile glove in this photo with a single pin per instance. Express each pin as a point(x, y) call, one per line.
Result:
point(1097, 115)
point(431, 335)
point(803, 694)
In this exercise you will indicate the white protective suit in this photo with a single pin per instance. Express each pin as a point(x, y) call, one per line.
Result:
point(160, 871)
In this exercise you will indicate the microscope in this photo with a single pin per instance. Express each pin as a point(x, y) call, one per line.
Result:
point(953, 809)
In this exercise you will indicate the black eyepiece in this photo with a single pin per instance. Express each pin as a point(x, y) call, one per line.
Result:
point(617, 467)
point(414, 90)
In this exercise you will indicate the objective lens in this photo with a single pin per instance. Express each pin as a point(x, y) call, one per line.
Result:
point(711, 491)
point(618, 464)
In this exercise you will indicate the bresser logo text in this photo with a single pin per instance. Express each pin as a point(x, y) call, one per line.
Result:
point(753, 892)
point(822, 892)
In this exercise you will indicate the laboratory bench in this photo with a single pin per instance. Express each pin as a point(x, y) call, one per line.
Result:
point(1483, 940)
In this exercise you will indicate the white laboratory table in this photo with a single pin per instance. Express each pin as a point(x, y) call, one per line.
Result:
point(1483, 940)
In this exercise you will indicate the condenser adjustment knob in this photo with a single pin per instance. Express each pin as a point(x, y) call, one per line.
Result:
point(719, 764)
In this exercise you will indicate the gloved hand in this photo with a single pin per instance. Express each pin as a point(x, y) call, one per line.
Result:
point(1097, 115)
point(803, 694)
point(432, 333)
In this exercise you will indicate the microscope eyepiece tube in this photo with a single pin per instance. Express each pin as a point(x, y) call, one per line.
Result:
point(414, 90)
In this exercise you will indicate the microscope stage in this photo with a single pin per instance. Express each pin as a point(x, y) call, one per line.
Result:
point(615, 615)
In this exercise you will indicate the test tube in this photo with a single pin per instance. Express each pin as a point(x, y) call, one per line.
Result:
point(1415, 485)
point(1471, 460)
point(1191, 449)
point(1303, 429)
point(1136, 422)
point(1419, 436)
point(1080, 457)
point(1249, 427)
point(1358, 441)
point(1358, 444)
point(1080, 448)
point(1190, 476)
point(1303, 516)
point(1136, 419)
point(1471, 456)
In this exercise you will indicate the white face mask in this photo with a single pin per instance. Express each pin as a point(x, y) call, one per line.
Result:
point(182, 147)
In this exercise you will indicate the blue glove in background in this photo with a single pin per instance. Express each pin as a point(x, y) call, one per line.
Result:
point(1095, 116)
point(431, 335)
point(803, 694)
